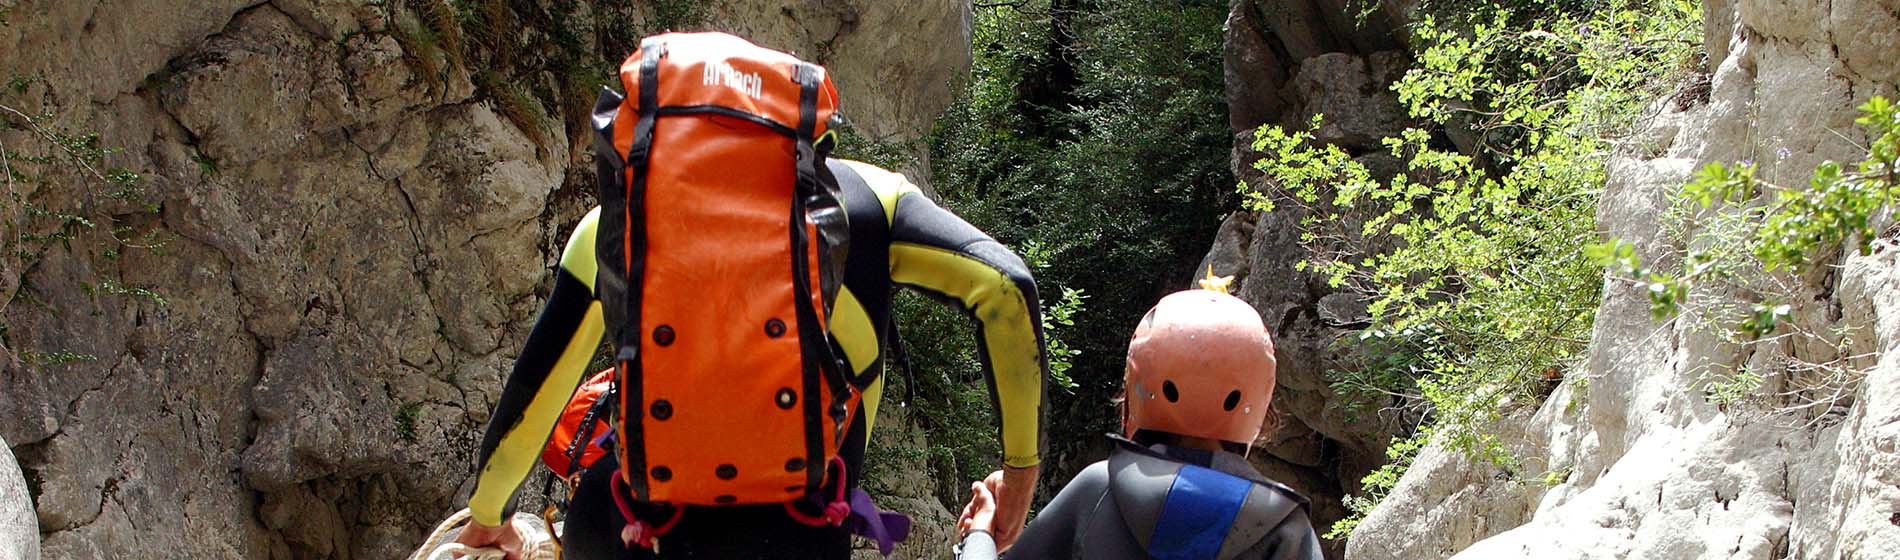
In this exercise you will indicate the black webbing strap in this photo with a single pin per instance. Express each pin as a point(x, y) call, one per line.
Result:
point(584, 434)
point(821, 354)
point(809, 333)
point(901, 357)
point(628, 379)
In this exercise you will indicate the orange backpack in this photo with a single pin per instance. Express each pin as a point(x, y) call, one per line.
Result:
point(721, 246)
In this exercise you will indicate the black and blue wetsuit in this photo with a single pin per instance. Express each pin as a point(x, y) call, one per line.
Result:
point(1167, 502)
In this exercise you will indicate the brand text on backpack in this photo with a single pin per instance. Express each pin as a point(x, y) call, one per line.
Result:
point(721, 73)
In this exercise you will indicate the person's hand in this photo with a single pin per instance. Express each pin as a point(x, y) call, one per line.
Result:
point(1014, 488)
point(507, 538)
point(980, 513)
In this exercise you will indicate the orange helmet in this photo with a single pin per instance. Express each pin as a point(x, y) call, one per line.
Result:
point(1201, 364)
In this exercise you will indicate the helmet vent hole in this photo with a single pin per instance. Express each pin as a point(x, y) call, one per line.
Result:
point(1233, 400)
point(1168, 390)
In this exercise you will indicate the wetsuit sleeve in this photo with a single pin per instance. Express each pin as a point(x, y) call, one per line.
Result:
point(545, 375)
point(977, 545)
point(1052, 534)
point(939, 254)
point(1294, 539)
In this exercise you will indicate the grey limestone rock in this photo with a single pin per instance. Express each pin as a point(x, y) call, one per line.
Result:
point(1638, 462)
point(19, 528)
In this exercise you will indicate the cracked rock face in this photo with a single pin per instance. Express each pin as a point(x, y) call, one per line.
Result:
point(353, 254)
point(1640, 463)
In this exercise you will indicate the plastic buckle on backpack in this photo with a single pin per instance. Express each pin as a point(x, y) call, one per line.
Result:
point(637, 155)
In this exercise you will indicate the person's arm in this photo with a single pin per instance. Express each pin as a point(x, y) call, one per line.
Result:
point(1053, 533)
point(975, 523)
point(545, 375)
point(977, 545)
point(934, 251)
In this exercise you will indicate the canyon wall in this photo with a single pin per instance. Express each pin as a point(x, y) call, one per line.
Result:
point(358, 204)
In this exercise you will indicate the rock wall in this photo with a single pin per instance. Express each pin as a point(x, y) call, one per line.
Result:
point(1630, 458)
point(358, 222)
point(1285, 62)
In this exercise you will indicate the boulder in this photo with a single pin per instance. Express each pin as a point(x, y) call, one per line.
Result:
point(19, 530)
point(1268, 44)
point(1357, 109)
point(1255, 75)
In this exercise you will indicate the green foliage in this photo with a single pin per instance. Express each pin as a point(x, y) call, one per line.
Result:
point(1377, 484)
point(1555, 477)
point(888, 154)
point(55, 358)
point(1091, 136)
point(946, 396)
point(1472, 262)
point(1102, 161)
point(953, 405)
point(677, 15)
point(405, 418)
point(1056, 319)
point(1731, 388)
point(109, 287)
point(207, 165)
point(1837, 205)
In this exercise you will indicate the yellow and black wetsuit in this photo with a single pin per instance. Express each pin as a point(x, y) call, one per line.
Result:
point(898, 237)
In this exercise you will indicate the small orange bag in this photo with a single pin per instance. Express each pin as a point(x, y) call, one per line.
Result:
point(558, 452)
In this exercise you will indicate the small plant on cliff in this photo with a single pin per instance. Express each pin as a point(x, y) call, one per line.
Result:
point(406, 418)
point(1472, 259)
point(64, 191)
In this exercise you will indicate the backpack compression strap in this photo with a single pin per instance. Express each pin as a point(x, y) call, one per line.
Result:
point(628, 339)
point(821, 364)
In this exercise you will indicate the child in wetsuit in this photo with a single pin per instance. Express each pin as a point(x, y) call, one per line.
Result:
point(1198, 383)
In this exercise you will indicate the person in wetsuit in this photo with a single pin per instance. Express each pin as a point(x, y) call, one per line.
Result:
point(1199, 380)
point(899, 237)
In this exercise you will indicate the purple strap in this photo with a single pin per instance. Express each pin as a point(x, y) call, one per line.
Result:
point(886, 527)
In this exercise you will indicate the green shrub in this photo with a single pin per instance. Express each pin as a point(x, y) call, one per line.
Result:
point(1473, 263)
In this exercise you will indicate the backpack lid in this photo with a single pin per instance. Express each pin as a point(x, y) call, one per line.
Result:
point(718, 72)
